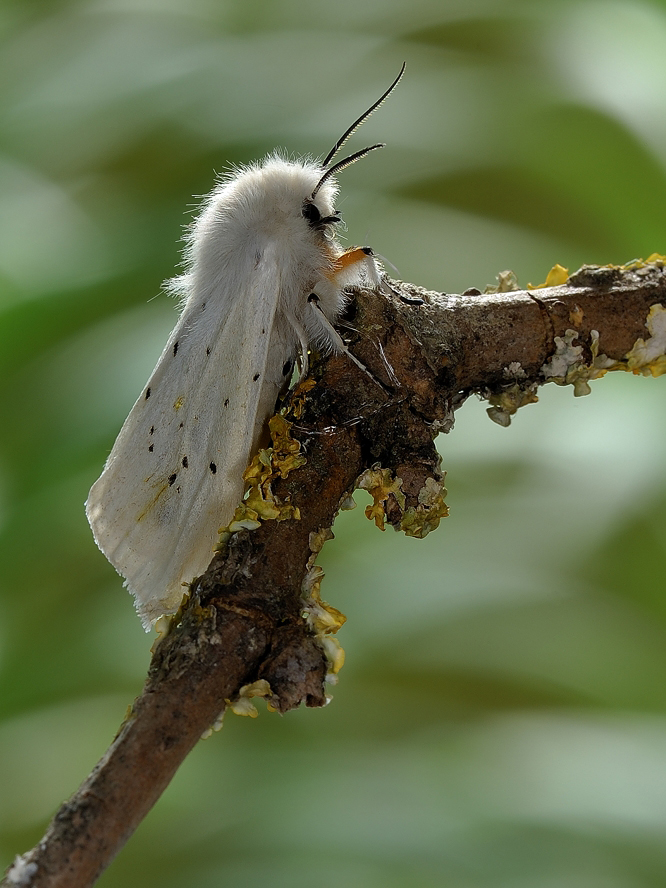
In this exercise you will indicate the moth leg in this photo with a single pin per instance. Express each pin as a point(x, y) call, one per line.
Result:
point(339, 276)
point(334, 337)
point(336, 340)
point(303, 341)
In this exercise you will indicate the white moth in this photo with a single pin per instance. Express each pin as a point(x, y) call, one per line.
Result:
point(264, 279)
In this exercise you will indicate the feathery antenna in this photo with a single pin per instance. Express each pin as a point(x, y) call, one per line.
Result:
point(341, 141)
point(341, 164)
point(347, 161)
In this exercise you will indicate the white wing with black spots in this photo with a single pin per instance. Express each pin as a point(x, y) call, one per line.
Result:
point(174, 475)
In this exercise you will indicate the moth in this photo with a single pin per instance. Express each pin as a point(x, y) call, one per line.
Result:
point(264, 279)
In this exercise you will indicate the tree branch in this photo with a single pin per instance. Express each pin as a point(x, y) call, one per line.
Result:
point(243, 622)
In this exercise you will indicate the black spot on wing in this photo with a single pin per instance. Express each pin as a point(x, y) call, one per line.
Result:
point(172, 478)
point(147, 393)
point(181, 425)
point(207, 351)
point(152, 430)
point(256, 377)
point(226, 402)
point(185, 462)
point(213, 468)
point(175, 348)
point(151, 448)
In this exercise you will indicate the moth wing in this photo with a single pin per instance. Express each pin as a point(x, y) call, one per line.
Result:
point(174, 475)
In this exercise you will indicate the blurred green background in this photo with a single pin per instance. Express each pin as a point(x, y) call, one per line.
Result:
point(501, 720)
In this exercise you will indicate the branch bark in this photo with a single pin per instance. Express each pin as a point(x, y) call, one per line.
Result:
point(425, 353)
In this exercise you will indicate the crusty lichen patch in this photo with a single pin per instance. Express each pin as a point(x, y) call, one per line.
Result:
point(507, 282)
point(299, 397)
point(648, 357)
point(557, 275)
point(567, 366)
point(653, 259)
point(504, 404)
point(322, 618)
point(242, 704)
point(516, 394)
point(417, 521)
point(260, 504)
point(380, 484)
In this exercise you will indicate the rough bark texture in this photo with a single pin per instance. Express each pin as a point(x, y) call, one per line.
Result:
point(425, 353)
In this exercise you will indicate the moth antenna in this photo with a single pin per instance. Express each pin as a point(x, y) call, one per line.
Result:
point(341, 164)
point(341, 141)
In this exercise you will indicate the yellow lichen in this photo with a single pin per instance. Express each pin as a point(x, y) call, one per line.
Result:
point(557, 275)
point(648, 357)
point(576, 316)
point(504, 404)
point(285, 456)
point(298, 397)
point(567, 367)
point(566, 355)
point(260, 504)
point(312, 582)
point(416, 521)
point(242, 705)
point(322, 617)
point(506, 283)
point(317, 539)
point(419, 521)
point(653, 259)
point(217, 725)
point(162, 626)
point(347, 503)
point(334, 653)
point(380, 484)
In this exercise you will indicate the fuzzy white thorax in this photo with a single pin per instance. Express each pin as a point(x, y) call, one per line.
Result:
point(256, 208)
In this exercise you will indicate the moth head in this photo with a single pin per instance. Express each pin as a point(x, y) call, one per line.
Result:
point(313, 216)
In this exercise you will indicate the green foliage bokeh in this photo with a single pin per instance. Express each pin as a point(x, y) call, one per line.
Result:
point(501, 720)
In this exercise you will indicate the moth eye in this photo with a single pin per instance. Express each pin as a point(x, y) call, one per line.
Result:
point(311, 213)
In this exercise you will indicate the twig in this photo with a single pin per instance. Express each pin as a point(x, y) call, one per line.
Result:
point(244, 617)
